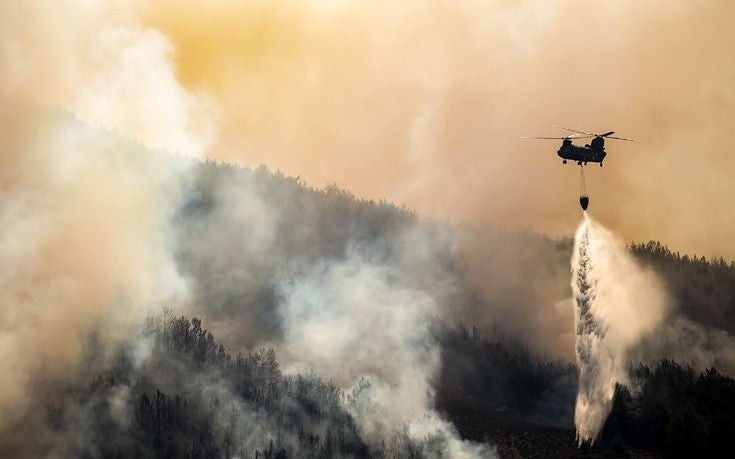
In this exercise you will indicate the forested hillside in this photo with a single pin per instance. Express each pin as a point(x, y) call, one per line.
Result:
point(508, 287)
point(673, 410)
point(191, 398)
point(347, 327)
point(241, 232)
point(703, 289)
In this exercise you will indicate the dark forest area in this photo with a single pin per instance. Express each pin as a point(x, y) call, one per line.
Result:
point(506, 374)
point(167, 414)
point(352, 229)
point(497, 379)
point(673, 410)
point(493, 391)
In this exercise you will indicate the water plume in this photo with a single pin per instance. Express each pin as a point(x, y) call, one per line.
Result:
point(617, 303)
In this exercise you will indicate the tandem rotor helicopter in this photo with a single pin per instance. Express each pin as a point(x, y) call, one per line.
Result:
point(594, 152)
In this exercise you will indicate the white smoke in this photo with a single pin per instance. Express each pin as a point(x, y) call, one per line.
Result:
point(689, 342)
point(618, 303)
point(86, 240)
point(354, 321)
point(98, 61)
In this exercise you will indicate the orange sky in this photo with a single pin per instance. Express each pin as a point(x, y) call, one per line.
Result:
point(423, 102)
point(417, 101)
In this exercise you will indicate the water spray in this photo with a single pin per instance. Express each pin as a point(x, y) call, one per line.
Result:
point(617, 303)
point(593, 398)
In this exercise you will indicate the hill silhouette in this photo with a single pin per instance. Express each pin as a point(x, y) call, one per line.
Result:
point(342, 324)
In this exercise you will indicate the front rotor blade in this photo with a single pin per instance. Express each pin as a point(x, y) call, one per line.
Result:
point(620, 138)
point(570, 137)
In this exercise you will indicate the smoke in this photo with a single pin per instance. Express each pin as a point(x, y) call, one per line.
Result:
point(84, 246)
point(95, 59)
point(618, 303)
point(92, 238)
point(518, 282)
point(423, 101)
point(85, 213)
point(89, 244)
point(686, 341)
point(358, 323)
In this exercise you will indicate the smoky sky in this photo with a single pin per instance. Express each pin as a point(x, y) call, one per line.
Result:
point(417, 102)
point(83, 206)
point(423, 102)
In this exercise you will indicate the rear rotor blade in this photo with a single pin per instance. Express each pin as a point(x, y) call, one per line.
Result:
point(607, 135)
point(579, 132)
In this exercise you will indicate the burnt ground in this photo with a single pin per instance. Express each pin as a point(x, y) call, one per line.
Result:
point(518, 436)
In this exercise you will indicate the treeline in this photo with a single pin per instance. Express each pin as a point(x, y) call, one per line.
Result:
point(502, 278)
point(673, 410)
point(190, 398)
point(501, 376)
point(241, 230)
point(308, 220)
point(175, 391)
point(703, 289)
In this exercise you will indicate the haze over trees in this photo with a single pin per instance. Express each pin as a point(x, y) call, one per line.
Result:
point(480, 317)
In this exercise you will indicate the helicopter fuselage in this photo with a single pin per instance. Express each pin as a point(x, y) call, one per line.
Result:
point(593, 153)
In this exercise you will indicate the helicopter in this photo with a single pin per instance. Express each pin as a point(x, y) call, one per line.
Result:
point(594, 152)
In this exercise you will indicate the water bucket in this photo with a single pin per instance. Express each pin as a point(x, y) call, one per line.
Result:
point(584, 201)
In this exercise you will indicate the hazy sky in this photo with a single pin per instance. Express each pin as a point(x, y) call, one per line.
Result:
point(423, 102)
point(418, 102)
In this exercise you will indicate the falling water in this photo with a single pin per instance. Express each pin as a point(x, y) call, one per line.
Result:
point(593, 398)
point(617, 302)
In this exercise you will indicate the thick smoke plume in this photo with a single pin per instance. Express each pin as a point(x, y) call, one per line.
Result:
point(357, 322)
point(85, 213)
point(618, 303)
point(84, 247)
point(98, 231)
point(422, 101)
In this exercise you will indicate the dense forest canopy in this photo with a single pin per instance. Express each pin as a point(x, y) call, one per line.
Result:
point(344, 326)
point(513, 279)
point(159, 299)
